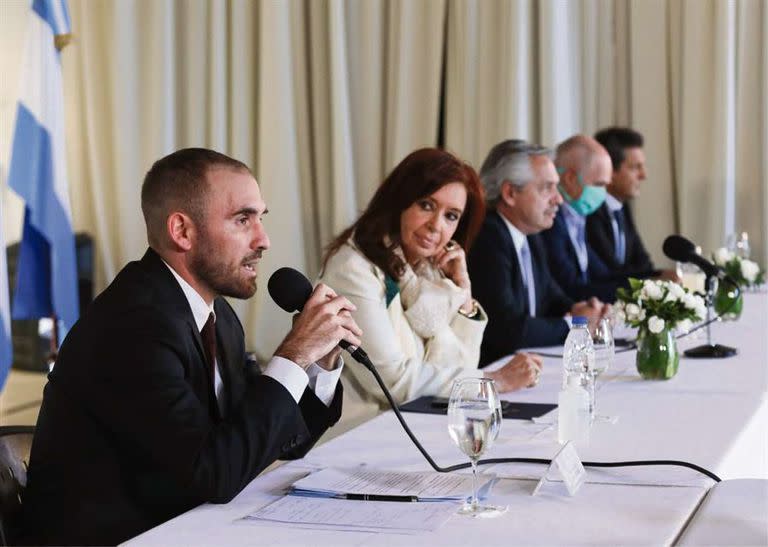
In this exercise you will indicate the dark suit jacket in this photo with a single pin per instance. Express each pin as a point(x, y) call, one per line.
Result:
point(129, 433)
point(637, 262)
point(601, 281)
point(497, 283)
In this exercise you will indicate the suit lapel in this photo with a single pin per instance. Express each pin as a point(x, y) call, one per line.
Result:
point(231, 353)
point(518, 287)
point(176, 302)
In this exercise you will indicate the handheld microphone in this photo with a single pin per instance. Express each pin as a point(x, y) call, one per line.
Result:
point(681, 249)
point(290, 289)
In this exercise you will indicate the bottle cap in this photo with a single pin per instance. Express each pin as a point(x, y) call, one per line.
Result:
point(578, 320)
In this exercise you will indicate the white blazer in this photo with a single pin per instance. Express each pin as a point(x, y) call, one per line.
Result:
point(419, 348)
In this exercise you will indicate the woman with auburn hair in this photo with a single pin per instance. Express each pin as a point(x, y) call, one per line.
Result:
point(402, 263)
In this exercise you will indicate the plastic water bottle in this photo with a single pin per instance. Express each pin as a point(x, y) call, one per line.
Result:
point(579, 359)
point(573, 413)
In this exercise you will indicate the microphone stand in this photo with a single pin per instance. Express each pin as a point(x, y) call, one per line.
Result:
point(710, 350)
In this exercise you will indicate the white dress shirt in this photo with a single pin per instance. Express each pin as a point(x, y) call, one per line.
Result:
point(519, 239)
point(290, 375)
point(576, 225)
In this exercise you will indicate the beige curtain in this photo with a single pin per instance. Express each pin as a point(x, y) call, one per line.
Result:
point(321, 98)
point(538, 70)
point(689, 74)
point(699, 94)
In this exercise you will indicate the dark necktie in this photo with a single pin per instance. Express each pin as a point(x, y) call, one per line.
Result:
point(208, 334)
point(621, 240)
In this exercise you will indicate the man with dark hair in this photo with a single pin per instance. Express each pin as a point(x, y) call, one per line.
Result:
point(152, 407)
point(611, 231)
point(508, 264)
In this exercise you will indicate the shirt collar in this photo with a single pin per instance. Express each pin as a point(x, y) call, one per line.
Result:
point(518, 237)
point(200, 310)
point(572, 218)
point(613, 203)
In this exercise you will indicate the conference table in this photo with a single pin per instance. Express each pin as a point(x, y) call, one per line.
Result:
point(713, 413)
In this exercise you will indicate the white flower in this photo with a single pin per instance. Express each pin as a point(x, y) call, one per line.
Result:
point(677, 290)
point(749, 270)
point(671, 297)
point(699, 306)
point(655, 324)
point(684, 325)
point(723, 256)
point(652, 290)
point(641, 315)
point(632, 311)
point(690, 300)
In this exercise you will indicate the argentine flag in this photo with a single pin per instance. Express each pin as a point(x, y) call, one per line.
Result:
point(6, 353)
point(47, 272)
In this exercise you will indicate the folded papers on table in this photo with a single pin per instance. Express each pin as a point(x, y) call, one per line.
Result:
point(350, 483)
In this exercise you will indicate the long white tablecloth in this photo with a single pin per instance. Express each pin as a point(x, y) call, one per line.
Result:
point(713, 413)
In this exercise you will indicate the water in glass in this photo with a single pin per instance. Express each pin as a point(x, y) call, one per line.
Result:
point(474, 421)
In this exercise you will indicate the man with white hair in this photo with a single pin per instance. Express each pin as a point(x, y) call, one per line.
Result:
point(585, 172)
point(508, 264)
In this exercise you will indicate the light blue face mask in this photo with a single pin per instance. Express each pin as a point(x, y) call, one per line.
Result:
point(590, 200)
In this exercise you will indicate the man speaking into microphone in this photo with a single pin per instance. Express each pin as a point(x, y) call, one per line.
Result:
point(152, 408)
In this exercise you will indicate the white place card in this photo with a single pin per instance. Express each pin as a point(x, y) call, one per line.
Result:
point(567, 465)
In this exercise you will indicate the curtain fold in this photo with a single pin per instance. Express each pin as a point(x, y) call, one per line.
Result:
point(706, 144)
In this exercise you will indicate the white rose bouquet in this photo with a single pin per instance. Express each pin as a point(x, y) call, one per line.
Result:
point(746, 273)
point(658, 305)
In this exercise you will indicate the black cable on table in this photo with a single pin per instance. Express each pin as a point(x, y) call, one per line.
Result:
point(365, 361)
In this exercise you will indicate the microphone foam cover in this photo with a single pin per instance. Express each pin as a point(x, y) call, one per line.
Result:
point(290, 289)
point(678, 248)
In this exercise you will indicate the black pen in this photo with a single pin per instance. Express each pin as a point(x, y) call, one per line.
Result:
point(375, 497)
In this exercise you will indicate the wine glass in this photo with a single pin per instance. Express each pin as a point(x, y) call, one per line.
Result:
point(738, 244)
point(602, 341)
point(474, 421)
point(742, 245)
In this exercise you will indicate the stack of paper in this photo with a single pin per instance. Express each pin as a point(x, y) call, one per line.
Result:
point(353, 516)
point(366, 500)
point(376, 485)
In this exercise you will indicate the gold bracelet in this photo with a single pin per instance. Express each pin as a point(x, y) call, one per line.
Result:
point(471, 313)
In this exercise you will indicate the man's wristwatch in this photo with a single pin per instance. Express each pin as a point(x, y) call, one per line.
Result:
point(472, 313)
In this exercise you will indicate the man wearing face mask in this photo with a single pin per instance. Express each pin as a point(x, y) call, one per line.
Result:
point(508, 265)
point(585, 171)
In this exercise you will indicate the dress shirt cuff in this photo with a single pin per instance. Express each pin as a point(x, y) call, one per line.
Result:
point(568, 321)
point(290, 375)
point(323, 382)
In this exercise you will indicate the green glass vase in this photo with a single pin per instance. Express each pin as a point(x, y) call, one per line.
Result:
point(657, 355)
point(727, 305)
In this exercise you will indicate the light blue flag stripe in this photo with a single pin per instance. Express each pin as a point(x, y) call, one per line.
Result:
point(55, 13)
point(6, 349)
point(47, 271)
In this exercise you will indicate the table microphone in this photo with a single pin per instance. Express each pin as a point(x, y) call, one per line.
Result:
point(683, 250)
point(290, 289)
